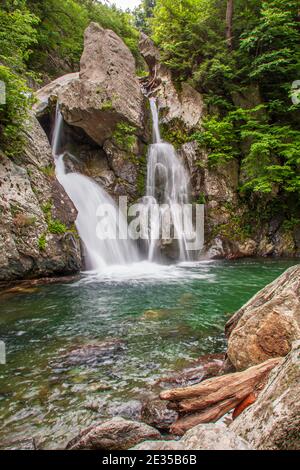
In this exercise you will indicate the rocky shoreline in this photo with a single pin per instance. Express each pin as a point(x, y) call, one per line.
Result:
point(262, 388)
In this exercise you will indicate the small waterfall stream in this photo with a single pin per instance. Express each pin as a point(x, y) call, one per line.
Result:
point(103, 228)
point(167, 188)
point(104, 243)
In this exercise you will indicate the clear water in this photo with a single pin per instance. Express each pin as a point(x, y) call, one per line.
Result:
point(166, 316)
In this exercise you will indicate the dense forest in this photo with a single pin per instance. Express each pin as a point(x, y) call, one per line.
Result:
point(242, 55)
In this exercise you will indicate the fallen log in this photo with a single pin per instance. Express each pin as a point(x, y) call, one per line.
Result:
point(210, 400)
point(210, 415)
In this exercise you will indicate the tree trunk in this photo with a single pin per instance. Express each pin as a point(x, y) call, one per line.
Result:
point(229, 19)
point(210, 400)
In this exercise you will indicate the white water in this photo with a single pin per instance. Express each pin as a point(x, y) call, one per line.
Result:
point(168, 186)
point(104, 243)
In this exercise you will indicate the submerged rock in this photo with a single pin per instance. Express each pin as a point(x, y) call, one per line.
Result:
point(199, 370)
point(201, 437)
point(92, 354)
point(273, 421)
point(115, 434)
point(156, 414)
point(268, 324)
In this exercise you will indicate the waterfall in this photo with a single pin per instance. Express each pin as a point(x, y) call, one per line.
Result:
point(104, 243)
point(167, 188)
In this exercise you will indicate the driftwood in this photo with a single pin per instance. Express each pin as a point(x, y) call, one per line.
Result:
point(210, 400)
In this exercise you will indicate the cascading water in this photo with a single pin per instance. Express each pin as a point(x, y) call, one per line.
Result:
point(104, 243)
point(167, 192)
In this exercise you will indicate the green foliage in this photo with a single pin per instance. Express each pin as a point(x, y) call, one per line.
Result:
point(61, 28)
point(56, 227)
point(42, 242)
point(261, 130)
point(219, 137)
point(107, 105)
point(174, 133)
point(124, 136)
point(14, 112)
point(44, 39)
point(17, 35)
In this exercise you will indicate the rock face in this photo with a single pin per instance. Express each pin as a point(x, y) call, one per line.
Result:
point(107, 91)
point(186, 105)
point(273, 421)
point(115, 434)
point(37, 235)
point(201, 437)
point(268, 324)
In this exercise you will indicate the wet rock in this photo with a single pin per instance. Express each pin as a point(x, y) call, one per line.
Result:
point(156, 414)
point(129, 410)
point(267, 325)
point(41, 108)
point(201, 437)
point(273, 421)
point(115, 434)
point(199, 370)
point(30, 196)
point(93, 354)
point(185, 105)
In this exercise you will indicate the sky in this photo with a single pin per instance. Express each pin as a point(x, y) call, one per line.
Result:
point(126, 3)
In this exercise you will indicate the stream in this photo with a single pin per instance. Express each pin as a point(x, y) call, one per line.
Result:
point(156, 318)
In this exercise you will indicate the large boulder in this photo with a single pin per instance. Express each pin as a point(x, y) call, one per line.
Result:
point(115, 434)
point(107, 91)
point(268, 324)
point(273, 421)
point(201, 437)
point(37, 235)
point(51, 90)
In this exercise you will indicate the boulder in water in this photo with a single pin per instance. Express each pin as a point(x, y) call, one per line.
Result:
point(92, 354)
point(267, 325)
point(156, 414)
point(115, 434)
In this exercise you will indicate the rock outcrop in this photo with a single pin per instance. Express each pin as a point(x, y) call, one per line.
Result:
point(273, 421)
point(37, 234)
point(201, 437)
point(185, 105)
point(107, 91)
point(268, 324)
point(115, 434)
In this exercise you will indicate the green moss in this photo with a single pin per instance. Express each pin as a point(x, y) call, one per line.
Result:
point(56, 227)
point(107, 105)
point(124, 136)
point(48, 170)
point(42, 242)
point(46, 208)
point(174, 133)
point(201, 199)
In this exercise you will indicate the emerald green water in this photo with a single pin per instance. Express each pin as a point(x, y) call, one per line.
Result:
point(164, 318)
